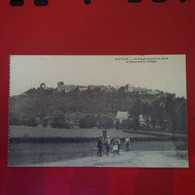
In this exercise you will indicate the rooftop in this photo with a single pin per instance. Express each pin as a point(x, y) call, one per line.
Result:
point(122, 115)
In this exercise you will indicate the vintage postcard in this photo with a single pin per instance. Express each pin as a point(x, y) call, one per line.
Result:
point(98, 111)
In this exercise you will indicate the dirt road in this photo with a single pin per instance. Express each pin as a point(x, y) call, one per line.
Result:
point(126, 159)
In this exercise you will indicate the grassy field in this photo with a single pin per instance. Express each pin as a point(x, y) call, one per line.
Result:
point(24, 131)
point(41, 132)
point(29, 153)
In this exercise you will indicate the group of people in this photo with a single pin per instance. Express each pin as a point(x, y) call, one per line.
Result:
point(113, 144)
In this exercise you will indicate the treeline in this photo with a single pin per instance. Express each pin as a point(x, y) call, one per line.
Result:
point(97, 108)
point(164, 113)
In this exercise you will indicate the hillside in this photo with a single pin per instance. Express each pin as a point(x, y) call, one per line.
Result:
point(97, 108)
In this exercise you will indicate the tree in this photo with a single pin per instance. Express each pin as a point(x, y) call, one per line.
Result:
point(59, 121)
point(87, 122)
point(104, 122)
point(31, 122)
point(117, 124)
point(83, 123)
point(135, 122)
point(123, 125)
point(136, 109)
point(45, 123)
point(14, 120)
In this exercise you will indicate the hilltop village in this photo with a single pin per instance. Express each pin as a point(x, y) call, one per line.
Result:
point(99, 106)
point(61, 87)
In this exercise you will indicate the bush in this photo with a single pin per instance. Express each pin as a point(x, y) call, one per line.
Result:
point(104, 122)
point(117, 124)
point(45, 123)
point(61, 124)
point(87, 122)
point(59, 121)
point(31, 122)
point(13, 120)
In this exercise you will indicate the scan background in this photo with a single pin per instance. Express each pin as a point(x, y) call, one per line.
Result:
point(100, 28)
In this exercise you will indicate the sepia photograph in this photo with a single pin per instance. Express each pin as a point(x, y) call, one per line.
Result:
point(98, 111)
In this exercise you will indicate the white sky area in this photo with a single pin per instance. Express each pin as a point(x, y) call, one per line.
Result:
point(29, 71)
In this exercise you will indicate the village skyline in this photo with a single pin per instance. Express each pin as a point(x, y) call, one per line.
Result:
point(30, 71)
point(61, 87)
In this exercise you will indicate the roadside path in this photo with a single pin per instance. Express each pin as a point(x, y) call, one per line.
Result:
point(125, 159)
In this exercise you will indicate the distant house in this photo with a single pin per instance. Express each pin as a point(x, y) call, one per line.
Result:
point(154, 92)
point(42, 86)
point(129, 88)
point(141, 90)
point(121, 116)
point(60, 87)
point(82, 88)
point(101, 87)
point(60, 84)
point(144, 121)
point(109, 88)
point(66, 88)
point(49, 88)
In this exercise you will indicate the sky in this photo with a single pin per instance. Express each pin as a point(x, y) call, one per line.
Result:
point(164, 72)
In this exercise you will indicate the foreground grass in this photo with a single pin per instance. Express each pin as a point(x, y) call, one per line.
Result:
point(30, 153)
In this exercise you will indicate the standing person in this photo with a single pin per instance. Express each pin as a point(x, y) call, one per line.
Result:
point(115, 146)
point(107, 145)
point(99, 146)
point(127, 143)
point(119, 144)
point(112, 140)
